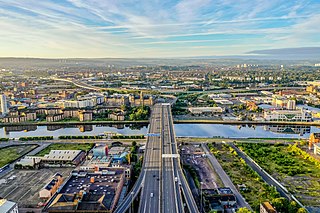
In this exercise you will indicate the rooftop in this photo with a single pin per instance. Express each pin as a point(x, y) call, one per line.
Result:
point(62, 155)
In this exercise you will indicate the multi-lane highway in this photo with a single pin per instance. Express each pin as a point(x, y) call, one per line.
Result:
point(149, 177)
point(161, 181)
point(171, 195)
point(151, 193)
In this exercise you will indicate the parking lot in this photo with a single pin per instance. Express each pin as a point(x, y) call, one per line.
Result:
point(23, 186)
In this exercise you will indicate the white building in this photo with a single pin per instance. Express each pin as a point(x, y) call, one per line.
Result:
point(291, 105)
point(316, 149)
point(79, 104)
point(4, 106)
point(287, 115)
point(8, 206)
point(205, 110)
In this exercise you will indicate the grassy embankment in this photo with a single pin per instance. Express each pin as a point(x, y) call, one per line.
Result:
point(257, 190)
point(12, 153)
point(296, 169)
point(68, 146)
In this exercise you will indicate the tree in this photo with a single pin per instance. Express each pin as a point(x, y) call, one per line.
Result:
point(281, 204)
point(293, 207)
point(244, 210)
point(302, 210)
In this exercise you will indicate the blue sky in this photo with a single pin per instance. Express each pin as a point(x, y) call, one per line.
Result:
point(154, 28)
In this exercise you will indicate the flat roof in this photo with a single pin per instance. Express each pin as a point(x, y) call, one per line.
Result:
point(62, 155)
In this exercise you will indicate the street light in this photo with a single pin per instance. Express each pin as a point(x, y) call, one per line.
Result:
point(201, 196)
point(131, 201)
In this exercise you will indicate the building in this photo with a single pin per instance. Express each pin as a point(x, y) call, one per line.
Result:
point(314, 139)
point(266, 207)
point(53, 118)
point(8, 206)
point(28, 162)
point(97, 191)
point(79, 104)
point(316, 149)
point(117, 100)
point(50, 188)
point(291, 105)
point(279, 102)
point(116, 116)
point(3, 104)
point(287, 115)
point(63, 158)
point(141, 100)
point(205, 110)
point(85, 116)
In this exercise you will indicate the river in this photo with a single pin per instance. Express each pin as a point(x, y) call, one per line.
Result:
point(181, 130)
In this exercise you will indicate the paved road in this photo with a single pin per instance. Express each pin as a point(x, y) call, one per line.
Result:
point(150, 168)
point(151, 194)
point(172, 200)
point(178, 172)
point(225, 178)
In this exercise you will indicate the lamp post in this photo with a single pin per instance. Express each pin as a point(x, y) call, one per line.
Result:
point(201, 197)
point(131, 201)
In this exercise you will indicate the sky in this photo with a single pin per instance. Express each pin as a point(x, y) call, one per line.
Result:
point(155, 28)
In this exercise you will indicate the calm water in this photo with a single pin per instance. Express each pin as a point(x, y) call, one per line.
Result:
point(193, 130)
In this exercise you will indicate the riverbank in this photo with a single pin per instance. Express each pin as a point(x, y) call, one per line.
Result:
point(176, 121)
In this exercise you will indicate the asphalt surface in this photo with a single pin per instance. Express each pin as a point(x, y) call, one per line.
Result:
point(225, 178)
point(178, 172)
point(151, 193)
point(172, 200)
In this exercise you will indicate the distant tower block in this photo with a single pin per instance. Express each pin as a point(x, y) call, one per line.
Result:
point(4, 106)
point(141, 98)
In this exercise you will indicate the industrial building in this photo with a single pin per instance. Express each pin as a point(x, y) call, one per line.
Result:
point(7, 206)
point(97, 191)
point(63, 158)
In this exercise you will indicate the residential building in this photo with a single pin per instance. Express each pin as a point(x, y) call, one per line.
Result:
point(116, 116)
point(53, 118)
point(291, 105)
point(3, 104)
point(85, 116)
point(7, 206)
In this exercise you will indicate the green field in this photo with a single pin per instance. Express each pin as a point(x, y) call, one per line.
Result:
point(67, 146)
point(293, 167)
point(10, 154)
point(257, 190)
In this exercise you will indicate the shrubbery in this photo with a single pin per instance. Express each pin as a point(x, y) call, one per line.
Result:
point(36, 138)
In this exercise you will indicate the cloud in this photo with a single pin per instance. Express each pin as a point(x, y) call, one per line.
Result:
point(124, 28)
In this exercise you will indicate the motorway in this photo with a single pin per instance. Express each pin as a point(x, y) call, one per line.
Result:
point(172, 199)
point(225, 178)
point(151, 193)
point(178, 172)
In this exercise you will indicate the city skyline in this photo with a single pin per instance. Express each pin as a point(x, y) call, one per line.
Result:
point(130, 29)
